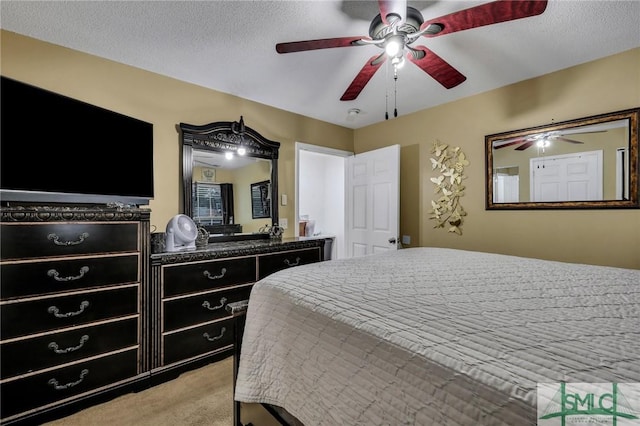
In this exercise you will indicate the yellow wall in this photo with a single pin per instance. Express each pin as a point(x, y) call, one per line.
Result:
point(608, 237)
point(164, 102)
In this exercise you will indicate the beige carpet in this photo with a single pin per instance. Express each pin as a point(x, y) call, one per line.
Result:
point(198, 397)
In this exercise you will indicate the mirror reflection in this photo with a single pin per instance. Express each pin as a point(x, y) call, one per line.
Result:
point(591, 162)
point(222, 191)
point(221, 163)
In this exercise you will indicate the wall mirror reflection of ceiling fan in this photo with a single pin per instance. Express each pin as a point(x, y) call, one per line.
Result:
point(398, 26)
point(217, 160)
point(545, 139)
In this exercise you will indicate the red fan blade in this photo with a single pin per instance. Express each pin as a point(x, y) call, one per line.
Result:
point(486, 14)
point(363, 77)
point(567, 140)
point(524, 146)
point(504, 145)
point(325, 43)
point(511, 141)
point(437, 68)
point(395, 7)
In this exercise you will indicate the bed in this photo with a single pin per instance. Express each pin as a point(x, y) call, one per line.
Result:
point(427, 336)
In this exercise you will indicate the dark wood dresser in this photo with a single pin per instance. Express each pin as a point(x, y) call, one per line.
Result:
point(191, 291)
point(87, 313)
point(72, 307)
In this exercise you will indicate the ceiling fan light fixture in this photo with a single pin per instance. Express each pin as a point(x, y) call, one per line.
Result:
point(394, 46)
point(228, 155)
point(241, 150)
point(398, 61)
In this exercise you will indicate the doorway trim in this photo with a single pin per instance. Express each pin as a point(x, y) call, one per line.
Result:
point(301, 146)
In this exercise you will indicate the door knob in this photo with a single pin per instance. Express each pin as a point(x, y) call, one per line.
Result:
point(392, 240)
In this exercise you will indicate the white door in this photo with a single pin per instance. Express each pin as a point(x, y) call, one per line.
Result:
point(373, 201)
point(506, 188)
point(569, 177)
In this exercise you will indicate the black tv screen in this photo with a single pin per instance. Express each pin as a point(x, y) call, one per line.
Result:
point(55, 149)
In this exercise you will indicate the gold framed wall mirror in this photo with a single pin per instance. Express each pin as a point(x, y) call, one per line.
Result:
point(219, 163)
point(589, 162)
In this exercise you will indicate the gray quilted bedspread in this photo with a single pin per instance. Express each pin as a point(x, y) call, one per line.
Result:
point(429, 336)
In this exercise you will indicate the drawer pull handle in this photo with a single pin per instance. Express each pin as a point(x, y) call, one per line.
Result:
point(56, 239)
point(215, 277)
point(56, 275)
point(56, 312)
point(288, 263)
point(56, 386)
point(54, 346)
point(208, 306)
point(214, 338)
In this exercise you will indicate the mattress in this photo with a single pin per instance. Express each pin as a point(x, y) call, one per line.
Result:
point(426, 336)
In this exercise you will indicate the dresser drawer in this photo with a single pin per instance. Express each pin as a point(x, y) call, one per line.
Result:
point(33, 354)
point(23, 394)
point(31, 240)
point(197, 341)
point(44, 277)
point(202, 276)
point(270, 263)
point(46, 314)
point(188, 311)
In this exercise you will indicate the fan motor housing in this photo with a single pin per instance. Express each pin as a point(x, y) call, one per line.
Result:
point(379, 30)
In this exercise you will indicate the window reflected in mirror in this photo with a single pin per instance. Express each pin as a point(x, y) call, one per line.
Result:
point(222, 192)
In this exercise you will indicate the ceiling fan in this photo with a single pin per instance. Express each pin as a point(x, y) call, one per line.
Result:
point(398, 26)
point(541, 140)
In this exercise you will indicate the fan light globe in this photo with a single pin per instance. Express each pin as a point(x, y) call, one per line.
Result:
point(394, 46)
point(228, 155)
point(242, 151)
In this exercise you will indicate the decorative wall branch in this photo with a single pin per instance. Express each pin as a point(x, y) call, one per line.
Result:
point(447, 210)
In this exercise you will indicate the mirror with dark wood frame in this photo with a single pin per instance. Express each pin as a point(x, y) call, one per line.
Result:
point(221, 163)
point(590, 162)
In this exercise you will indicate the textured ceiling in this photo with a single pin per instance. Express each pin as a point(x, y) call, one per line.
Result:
point(229, 46)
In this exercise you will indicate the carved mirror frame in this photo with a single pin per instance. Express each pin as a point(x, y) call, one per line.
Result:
point(225, 136)
point(632, 115)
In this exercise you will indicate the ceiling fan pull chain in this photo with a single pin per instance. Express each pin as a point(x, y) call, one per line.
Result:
point(395, 91)
point(386, 93)
point(386, 105)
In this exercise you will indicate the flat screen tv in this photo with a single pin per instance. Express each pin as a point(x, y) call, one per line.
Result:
point(55, 149)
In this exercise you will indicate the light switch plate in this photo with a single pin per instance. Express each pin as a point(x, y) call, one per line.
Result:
point(283, 199)
point(406, 239)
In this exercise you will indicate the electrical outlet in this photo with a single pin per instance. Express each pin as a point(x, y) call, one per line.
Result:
point(406, 239)
point(284, 223)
